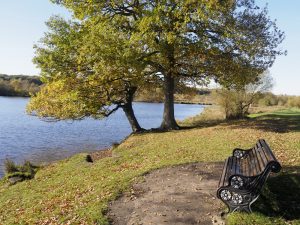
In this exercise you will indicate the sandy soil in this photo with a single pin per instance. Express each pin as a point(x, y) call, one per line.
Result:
point(184, 194)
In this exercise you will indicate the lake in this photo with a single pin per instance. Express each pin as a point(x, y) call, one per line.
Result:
point(24, 137)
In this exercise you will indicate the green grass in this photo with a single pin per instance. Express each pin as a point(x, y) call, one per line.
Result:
point(77, 192)
point(284, 112)
point(278, 203)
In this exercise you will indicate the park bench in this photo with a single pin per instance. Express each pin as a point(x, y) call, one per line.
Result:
point(244, 175)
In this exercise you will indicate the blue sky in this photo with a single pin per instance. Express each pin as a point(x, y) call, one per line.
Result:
point(22, 23)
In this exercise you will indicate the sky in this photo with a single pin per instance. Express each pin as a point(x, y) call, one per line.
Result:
point(22, 24)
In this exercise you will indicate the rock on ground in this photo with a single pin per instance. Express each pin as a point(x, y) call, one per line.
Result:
point(184, 194)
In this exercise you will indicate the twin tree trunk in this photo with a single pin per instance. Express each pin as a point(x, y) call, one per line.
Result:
point(127, 108)
point(169, 122)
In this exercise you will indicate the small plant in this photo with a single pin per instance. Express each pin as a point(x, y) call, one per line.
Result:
point(28, 168)
point(10, 166)
point(16, 173)
point(89, 158)
point(114, 145)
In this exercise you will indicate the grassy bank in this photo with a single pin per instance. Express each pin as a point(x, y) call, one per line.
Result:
point(74, 191)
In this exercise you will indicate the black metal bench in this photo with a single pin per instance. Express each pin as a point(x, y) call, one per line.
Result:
point(244, 175)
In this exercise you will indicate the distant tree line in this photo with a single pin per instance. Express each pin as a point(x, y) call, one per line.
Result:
point(19, 85)
point(270, 99)
point(25, 86)
point(184, 94)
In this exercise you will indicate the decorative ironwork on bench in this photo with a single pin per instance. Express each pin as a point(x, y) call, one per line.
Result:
point(244, 175)
point(239, 153)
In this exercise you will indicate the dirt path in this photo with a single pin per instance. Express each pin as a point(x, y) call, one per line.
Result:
point(183, 194)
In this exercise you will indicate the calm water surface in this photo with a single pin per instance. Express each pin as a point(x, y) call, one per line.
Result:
point(24, 137)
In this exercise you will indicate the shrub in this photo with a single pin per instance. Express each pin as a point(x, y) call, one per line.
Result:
point(114, 145)
point(237, 98)
point(28, 168)
point(268, 99)
point(235, 103)
point(294, 101)
point(25, 171)
point(10, 166)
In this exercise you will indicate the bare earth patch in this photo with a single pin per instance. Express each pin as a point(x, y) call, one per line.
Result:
point(184, 194)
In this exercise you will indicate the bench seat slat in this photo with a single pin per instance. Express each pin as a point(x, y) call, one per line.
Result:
point(222, 179)
point(230, 168)
point(271, 156)
point(247, 165)
point(260, 164)
point(263, 157)
point(253, 164)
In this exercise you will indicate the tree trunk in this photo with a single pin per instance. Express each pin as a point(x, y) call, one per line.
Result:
point(127, 108)
point(169, 122)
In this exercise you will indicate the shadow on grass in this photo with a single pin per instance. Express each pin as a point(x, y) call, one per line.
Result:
point(277, 123)
point(183, 126)
point(280, 123)
point(202, 124)
point(281, 195)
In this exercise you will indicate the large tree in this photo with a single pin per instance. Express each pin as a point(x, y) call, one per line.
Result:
point(88, 70)
point(191, 41)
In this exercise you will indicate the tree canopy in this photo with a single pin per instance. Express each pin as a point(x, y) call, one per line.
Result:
point(88, 72)
point(171, 42)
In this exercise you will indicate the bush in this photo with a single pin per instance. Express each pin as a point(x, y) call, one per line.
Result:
point(268, 99)
point(25, 171)
point(235, 103)
point(294, 102)
point(28, 168)
point(10, 166)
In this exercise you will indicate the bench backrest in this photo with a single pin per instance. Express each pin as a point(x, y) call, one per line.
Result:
point(261, 158)
point(254, 165)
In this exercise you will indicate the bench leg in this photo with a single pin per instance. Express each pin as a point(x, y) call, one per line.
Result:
point(246, 208)
point(253, 200)
point(240, 208)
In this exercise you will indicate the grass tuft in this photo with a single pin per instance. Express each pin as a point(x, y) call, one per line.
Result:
point(10, 166)
point(25, 171)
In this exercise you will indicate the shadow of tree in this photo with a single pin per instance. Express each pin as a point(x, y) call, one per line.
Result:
point(182, 126)
point(274, 123)
point(280, 123)
point(281, 195)
point(203, 124)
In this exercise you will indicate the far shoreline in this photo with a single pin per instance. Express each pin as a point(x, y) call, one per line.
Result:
point(142, 101)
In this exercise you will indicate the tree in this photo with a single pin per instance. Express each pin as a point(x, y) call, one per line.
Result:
point(237, 99)
point(88, 69)
point(191, 41)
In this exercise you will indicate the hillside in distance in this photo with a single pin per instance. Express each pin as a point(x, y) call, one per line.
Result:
point(19, 85)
